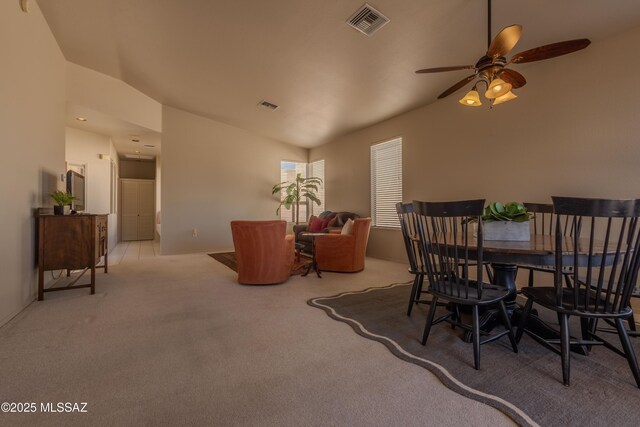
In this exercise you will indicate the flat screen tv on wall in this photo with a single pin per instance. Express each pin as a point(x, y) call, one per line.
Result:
point(76, 186)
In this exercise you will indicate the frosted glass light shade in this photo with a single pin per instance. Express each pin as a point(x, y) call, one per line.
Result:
point(471, 99)
point(504, 98)
point(498, 87)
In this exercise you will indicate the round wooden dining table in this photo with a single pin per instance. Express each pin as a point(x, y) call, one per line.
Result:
point(540, 250)
point(505, 256)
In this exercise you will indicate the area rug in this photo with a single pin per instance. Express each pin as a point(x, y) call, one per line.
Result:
point(229, 259)
point(526, 386)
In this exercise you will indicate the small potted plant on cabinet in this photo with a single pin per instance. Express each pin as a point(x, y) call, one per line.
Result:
point(62, 199)
point(506, 222)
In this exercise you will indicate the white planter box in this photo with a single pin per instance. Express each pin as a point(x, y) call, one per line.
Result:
point(506, 230)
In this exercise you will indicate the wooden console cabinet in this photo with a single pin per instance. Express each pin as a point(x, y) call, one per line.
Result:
point(71, 242)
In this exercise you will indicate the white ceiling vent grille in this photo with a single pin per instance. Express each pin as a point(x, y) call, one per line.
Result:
point(367, 20)
point(268, 105)
point(138, 156)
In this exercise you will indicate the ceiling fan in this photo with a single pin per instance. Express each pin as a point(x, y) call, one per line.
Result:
point(491, 69)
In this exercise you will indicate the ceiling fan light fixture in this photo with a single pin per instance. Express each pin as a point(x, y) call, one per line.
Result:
point(493, 65)
point(497, 88)
point(505, 98)
point(471, 99)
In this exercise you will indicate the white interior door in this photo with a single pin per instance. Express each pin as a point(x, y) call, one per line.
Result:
point(129, 209)
point(138, 209)
point(146, 210)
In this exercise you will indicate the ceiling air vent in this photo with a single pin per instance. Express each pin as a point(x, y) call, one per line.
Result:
point(367, 20)
point(268, 105)
point(138, 156)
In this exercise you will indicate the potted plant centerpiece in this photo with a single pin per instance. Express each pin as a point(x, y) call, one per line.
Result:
point(506, 222)
point(62, 199)
point(299, 190)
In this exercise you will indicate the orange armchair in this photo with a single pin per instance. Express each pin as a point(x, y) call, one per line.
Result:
point(263, 250)
point(344, 252)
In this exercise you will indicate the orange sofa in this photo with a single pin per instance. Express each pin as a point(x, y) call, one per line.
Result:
point(263, 250)
point(344, 252)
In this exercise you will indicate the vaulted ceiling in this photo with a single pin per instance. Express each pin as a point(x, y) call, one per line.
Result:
point(219, 58)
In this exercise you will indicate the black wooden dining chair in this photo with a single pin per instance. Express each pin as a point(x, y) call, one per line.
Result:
point(543, 221)
point(605, 269)
point(409, 228)
point(445, 231)
point(632, 320)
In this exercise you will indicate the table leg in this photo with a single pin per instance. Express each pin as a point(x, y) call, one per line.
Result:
point(309, 266)
point(505, 276)
point(314, 262)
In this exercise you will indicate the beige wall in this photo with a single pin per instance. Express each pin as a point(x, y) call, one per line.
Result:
point(573, 131)
point(135, 169)
point(112, 97)
point(32, 108)
point(158, 195)
point(84, 147)
point(213, 173)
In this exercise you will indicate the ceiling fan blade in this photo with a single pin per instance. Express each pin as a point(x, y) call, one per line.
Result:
point(550, 51)
point(457, 86)
point(441, 69)
point(504, 41)
point(513, 77)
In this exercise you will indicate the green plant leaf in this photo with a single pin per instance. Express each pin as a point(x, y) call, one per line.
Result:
point(313, 198)
point(278, 187)
point(512, 211)
point(296, 190)
point(62, 198)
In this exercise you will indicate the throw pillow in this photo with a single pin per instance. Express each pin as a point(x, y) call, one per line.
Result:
point(315, 226)
point(325, 223)
point(310, 221)
point(348, 227)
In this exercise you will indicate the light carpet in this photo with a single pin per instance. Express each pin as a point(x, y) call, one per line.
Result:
point(174, 340)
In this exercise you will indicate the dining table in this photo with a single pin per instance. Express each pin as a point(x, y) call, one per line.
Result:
point(505, 256)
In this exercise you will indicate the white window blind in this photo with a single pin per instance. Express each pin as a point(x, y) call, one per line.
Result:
point(316, 169)
point(386, 182)
point(288, 171)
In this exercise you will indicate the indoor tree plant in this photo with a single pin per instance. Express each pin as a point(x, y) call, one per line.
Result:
point(62, 199)
point(506, 222)
point(296, 191)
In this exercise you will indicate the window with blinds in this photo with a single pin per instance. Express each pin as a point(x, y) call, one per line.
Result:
point(386, 183)
point(288, 172)
point(316, 169)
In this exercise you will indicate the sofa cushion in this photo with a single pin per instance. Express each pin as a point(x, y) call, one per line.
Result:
point(348, 227)
point(316, 224)
point(325, 223)
point(311, 218)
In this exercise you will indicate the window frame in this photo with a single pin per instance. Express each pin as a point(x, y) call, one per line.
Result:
point(389, 218)
point(303, 205)
point(321, 192)
point(307, 208)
